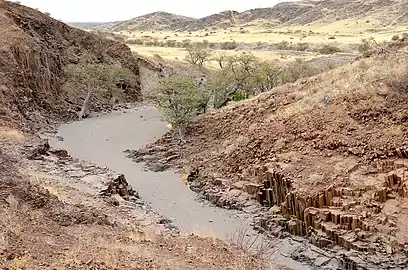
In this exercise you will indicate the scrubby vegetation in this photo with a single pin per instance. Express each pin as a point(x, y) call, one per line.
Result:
point(238, 77)
point(198, 54)
point(106, 79)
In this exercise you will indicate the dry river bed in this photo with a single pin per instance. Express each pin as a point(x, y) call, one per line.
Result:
point(102, 140)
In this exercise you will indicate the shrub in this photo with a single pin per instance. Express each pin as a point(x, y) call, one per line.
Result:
point(149, 43)
point(229, 45)
point(135, 41)
point(245, 75)
point(332, 37)
point(171, 43)
point(180, 99)
point(329, 49)
point(395, 38)
point(365, 46)
point(185, 43)
point(98, 77)
point(302, 47)
point(283, 45)
point(198, 54)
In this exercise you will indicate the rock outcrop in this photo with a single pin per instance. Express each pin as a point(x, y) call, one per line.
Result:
point(34, 49)
point(121, 187)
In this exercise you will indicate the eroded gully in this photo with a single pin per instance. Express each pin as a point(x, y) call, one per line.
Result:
point(102, 141)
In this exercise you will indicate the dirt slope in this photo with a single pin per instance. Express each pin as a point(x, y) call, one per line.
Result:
point(34, 49)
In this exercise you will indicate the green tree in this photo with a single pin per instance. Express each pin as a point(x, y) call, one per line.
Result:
point(99, 77)
point(198, 54)
point(180, 98)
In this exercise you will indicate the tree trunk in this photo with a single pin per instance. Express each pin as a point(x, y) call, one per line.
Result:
point(88, 95)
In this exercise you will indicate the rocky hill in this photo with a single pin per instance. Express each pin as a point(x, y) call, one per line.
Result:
point(34, 49)
point(299, 12)
point(154, 21)
point(223, 19)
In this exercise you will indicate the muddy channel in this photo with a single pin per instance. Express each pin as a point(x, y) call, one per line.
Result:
point(103, 140)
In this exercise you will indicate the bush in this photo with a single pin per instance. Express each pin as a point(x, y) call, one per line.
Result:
point(332, 37)
point(329, 49)
point(229, 45)
point(98, 77)
point(302, 47)
point(365, 46)
point(180, 99)
point(135, 41)
point(185, 43)
point(149, 43)
point(283, 45)
point(395, 38)
point(171, 43)
point(198, 54)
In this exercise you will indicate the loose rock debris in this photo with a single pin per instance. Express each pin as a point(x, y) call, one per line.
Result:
point(121, 187)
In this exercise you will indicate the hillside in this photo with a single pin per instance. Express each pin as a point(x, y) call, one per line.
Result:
point(329, 153)
point(34, 49)
point(223, 19)
point(384, 12)
point(154, 21)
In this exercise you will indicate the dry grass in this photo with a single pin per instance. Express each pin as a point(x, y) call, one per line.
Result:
point(344, 31)
point(345, 34)
point(369, 77)
point(257, 245)
point(179, 54)
point(10, 133)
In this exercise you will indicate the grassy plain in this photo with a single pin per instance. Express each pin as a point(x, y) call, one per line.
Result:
point(262, 40)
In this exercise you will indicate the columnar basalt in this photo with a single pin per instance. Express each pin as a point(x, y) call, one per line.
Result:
point(345, 216)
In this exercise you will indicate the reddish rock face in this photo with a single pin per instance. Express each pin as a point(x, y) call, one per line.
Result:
point(34, 49)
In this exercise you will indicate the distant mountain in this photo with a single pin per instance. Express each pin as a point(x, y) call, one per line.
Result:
point(154, 21)
point(309, 11)
point(299, 12)
point(223, 19)
point(93, 25)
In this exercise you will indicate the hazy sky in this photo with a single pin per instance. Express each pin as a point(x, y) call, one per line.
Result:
point(102, 11)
